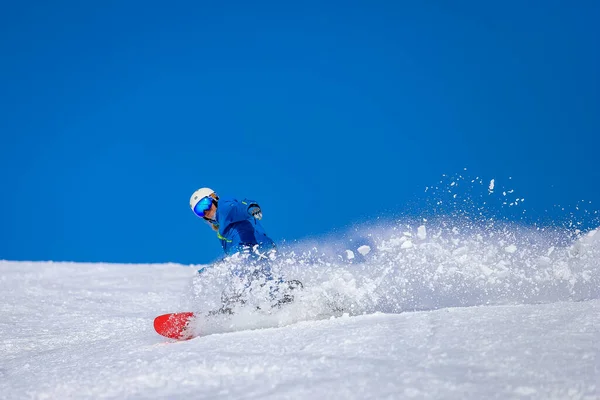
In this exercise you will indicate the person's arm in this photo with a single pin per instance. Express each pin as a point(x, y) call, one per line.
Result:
point(236, 211)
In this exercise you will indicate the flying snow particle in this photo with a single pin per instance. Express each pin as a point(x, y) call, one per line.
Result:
point(406, 245)
point(349, 254)
point(491, 187)
point(510, 249)
point(364, 250)
point(422, 232)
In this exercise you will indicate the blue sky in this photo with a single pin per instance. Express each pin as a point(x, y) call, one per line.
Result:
point(327, 113)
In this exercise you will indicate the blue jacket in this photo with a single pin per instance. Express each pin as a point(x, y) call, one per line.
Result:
point(237, 228)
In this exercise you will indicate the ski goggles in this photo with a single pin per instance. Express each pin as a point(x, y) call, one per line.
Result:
point(202, 207)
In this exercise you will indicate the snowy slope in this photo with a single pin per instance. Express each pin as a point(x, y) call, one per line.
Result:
point(505, 317)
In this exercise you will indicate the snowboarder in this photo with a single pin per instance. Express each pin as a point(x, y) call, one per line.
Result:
point(237, 225)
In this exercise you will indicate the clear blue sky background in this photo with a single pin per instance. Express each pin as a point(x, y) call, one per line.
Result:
point(327, 113)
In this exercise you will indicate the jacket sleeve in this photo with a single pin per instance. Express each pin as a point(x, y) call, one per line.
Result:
point(237, 211)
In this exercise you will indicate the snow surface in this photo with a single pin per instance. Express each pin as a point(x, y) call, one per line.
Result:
point(453, 316)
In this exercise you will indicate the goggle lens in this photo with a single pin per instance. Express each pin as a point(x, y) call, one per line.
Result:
point(203, 206)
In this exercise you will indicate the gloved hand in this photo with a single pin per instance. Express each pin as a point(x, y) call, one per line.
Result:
point(255, 211)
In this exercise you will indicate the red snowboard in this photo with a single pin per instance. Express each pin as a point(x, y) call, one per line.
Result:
point(178, 326)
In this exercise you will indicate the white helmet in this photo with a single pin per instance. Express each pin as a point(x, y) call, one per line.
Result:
point(200, 194)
